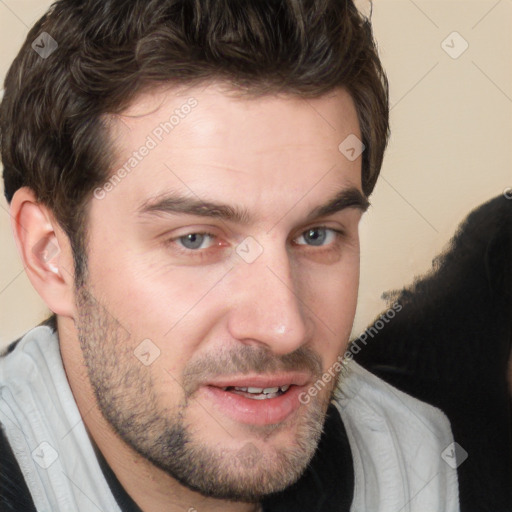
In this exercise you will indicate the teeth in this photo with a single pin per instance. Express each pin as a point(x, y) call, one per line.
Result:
point(258, 391)
point(261, 396)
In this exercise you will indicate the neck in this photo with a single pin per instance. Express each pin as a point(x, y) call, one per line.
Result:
point(150, 488)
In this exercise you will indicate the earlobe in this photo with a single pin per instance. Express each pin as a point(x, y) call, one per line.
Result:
point(44, 250)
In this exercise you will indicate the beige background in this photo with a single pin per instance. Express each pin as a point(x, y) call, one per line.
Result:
point(450, 148)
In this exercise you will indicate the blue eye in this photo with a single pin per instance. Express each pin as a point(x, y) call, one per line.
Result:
point(195, 241)
point(317, 237)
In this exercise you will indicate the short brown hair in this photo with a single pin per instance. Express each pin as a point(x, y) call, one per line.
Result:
point(53, 135)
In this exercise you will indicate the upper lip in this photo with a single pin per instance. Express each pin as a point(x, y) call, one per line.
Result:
point(261, 380)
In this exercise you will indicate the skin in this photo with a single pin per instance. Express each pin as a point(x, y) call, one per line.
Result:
point(208, 312)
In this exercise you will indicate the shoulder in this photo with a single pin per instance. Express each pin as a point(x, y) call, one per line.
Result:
point(401, 447)
point(50, 324)
point(29, 355)
point(14, 492)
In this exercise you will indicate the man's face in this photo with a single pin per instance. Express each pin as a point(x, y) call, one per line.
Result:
point(223, 261)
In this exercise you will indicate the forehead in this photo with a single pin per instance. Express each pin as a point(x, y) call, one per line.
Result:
point(211, 143)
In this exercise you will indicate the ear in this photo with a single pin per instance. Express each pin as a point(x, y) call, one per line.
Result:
point(45, 251)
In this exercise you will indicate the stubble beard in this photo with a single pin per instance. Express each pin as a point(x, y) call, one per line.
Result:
point(128, 399)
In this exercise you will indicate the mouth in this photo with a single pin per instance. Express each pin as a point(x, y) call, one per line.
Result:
point(255, 393)
point(257, 400)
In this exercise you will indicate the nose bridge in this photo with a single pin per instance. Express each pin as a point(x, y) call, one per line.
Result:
point(268, 308)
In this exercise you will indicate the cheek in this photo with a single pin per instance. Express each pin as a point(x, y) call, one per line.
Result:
point(332, 290)
point(339, 308)
point(331, 294)
point(143, 290)
point(175, 308)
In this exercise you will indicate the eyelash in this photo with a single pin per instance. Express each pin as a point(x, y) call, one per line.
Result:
point(202, 253)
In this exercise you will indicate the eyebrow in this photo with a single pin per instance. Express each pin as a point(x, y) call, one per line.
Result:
point(177, 204)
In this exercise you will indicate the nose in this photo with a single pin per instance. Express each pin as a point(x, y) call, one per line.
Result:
point(266, 305)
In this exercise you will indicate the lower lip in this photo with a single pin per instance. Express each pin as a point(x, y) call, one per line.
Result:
point(255, 412)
